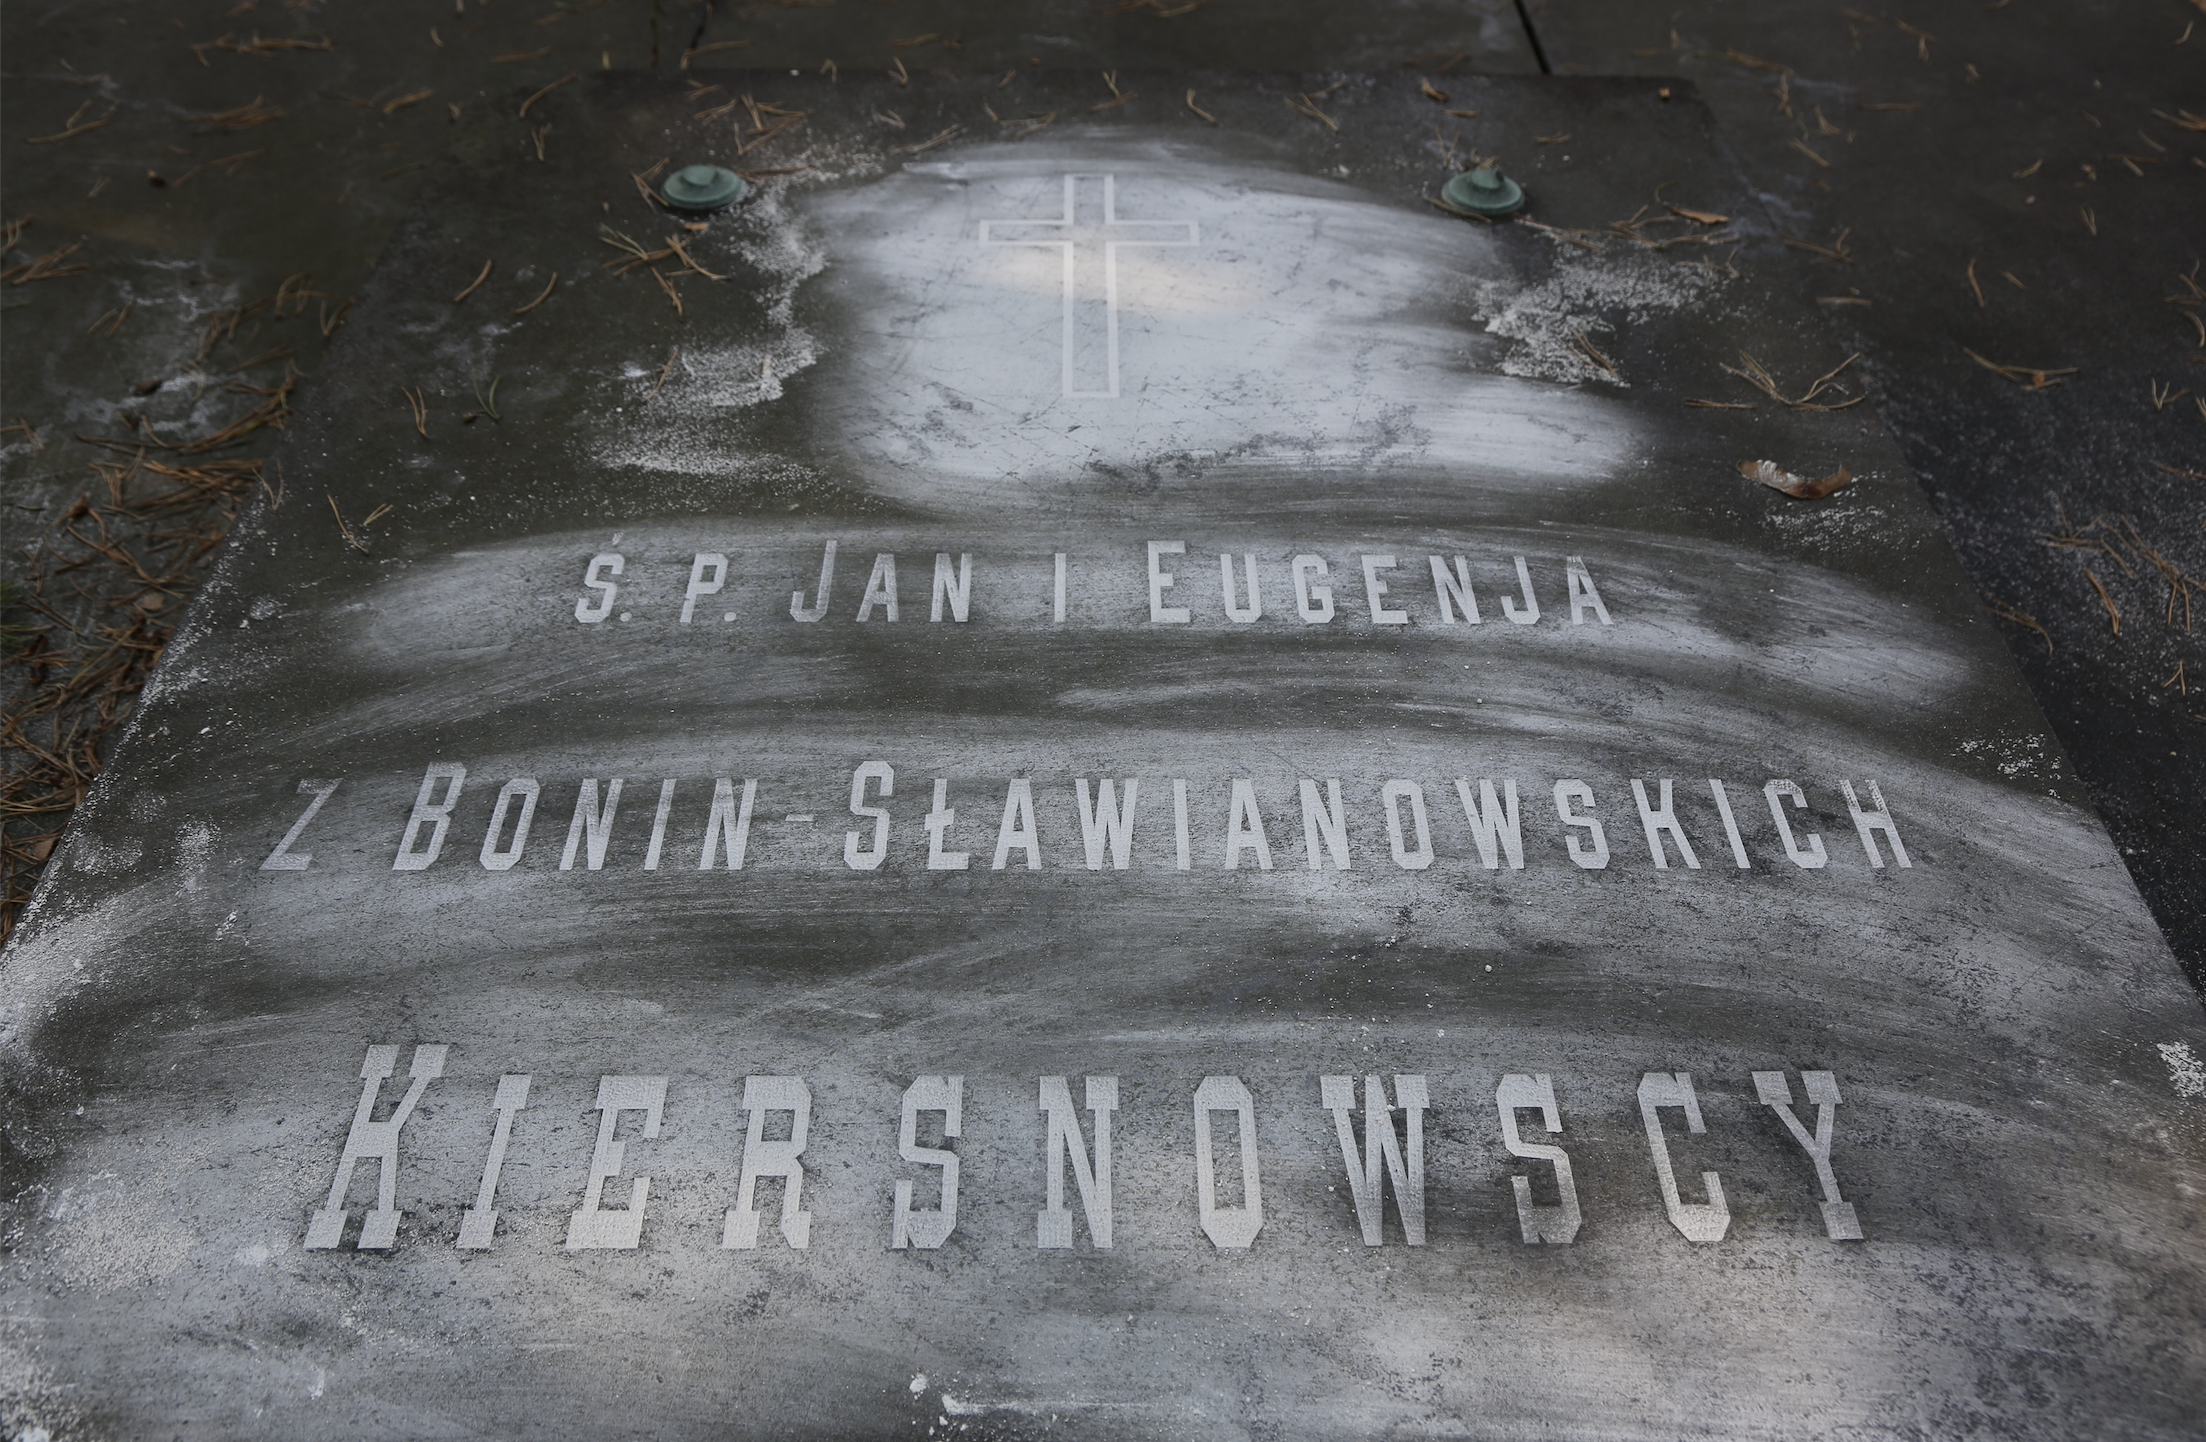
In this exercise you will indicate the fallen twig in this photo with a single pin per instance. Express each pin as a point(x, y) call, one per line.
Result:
point(48, 266)
point(1836, 250)
point(1593, 353)
point(475, 284)
point(2028, 377)
point(1307, 106)
point(673, 353)
point(938, 138)
point(2020, 618)
point(243, 117)
point(343, 529)
point(668, 286)
point(260, 45)
point(1579, 238)
point(75, 125)
point(565, 79)
point(1757, 375)
point(2113, 612)
point(549, 287)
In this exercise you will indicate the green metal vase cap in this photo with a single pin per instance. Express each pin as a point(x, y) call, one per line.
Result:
point(1484, 191)
point(702, 187)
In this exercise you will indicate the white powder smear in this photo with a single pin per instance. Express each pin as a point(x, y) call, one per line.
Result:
point(1583, 294)
point(686, 432)
point(1304, 325)
point(2185, 1071)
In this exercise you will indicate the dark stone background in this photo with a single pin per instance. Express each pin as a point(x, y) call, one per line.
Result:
point(2048, 141)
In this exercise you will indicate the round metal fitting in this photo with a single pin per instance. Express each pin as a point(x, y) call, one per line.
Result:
point(1484, 191)
point(702, 187)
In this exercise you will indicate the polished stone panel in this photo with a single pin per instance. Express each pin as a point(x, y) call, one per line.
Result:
point(1088, 770)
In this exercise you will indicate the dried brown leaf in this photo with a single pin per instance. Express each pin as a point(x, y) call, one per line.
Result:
point(1800, 488)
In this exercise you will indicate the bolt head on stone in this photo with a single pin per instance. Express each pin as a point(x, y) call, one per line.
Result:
point(699, 188)
point(1484, 191)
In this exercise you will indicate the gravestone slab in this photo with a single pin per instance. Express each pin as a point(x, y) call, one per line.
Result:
point(1087, 770)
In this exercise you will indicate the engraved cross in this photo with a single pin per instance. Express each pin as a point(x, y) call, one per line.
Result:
point(1090, 328)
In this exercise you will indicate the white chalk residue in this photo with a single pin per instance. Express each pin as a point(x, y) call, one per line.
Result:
point(2185, 1072)
point(685, 432)
point(112, 1237)
point(974, 1407)
point(1310, 326)
point(89, 854)
point(194, 854)
point(2014, 756)
point(1586, 293)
